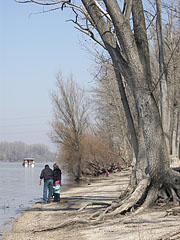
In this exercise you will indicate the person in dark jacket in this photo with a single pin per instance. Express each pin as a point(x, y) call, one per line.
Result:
point(47, 175)
point(56, 175)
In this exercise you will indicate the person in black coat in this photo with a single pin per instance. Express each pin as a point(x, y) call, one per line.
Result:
point(56, 174)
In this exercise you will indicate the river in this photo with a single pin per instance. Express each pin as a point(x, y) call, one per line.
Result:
point(19, 188)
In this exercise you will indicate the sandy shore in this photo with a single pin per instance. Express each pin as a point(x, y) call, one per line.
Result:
point(42, 222)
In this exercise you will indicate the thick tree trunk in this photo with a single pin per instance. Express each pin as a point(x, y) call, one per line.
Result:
point(127, 111)
point(141, 162)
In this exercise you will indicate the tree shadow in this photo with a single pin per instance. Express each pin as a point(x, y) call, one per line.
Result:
point(70, 203)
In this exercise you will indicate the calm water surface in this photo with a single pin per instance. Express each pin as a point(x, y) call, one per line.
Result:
point(19, 188)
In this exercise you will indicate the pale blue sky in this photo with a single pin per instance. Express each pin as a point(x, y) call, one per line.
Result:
point(32, 51)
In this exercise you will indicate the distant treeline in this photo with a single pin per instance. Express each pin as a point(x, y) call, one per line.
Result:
point(17, 151)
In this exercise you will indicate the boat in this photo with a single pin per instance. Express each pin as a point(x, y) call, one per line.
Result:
point(28, 162)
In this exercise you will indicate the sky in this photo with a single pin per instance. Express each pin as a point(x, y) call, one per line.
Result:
point(33, 49)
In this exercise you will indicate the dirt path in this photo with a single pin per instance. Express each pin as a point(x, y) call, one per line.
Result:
point(153, 224)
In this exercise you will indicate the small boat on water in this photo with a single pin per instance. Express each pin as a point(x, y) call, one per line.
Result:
point(28, 162)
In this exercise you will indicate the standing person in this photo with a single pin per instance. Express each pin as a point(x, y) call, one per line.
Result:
point(56, 174)
point(56, 188)
point(107, 173)
point(47, 175)
point(119, 168)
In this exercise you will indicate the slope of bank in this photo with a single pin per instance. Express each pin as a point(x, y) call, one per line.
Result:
point(46, 221)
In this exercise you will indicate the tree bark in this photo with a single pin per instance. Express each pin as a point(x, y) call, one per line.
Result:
point(164, 100)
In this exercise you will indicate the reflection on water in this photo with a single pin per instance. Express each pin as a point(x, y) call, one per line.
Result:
point(19, 188)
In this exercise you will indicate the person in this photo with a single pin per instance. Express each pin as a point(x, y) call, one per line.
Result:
point(47, 175)
point(56, 174)
point(56, 188)
point(119, 168)
point(107, 173)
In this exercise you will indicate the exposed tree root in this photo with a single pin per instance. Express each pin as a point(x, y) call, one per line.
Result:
point(169, 236)
point(127, 192)
point(62, 225)
point(94, 204)
point(173, 211)
point(143, 196)
point(176, 200)
point(127, 203)
point(151, 197)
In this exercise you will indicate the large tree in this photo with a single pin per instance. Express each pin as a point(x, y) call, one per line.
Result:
point(121, 30)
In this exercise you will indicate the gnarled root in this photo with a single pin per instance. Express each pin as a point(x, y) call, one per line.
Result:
point(128, 202)
point(93, 204)
point(62, 225)
point(146, 192)
point(151, 197)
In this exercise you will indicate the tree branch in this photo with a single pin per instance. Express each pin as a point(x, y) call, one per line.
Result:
point(43, 3)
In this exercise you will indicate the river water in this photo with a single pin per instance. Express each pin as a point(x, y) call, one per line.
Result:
point(19, 188)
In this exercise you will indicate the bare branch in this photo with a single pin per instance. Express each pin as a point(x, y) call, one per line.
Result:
point(127, 8)
point(42, 3)
point(103, 11)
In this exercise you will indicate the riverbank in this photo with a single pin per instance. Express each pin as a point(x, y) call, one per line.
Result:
point(20, 189)
point(46, 221)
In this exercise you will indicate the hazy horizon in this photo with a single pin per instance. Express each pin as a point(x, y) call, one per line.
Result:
point(34, 48)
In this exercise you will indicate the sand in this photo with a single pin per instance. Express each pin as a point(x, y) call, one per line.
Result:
point(43, 221)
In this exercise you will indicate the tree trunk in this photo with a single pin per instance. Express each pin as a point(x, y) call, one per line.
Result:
point(127, 111)
point(164, 100)
point(178, 136)
point(175, 133)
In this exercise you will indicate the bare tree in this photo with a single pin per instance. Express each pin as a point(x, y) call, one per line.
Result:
point(167, 45)
point(111, 123)
point(128, 48)
point(70, 119)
